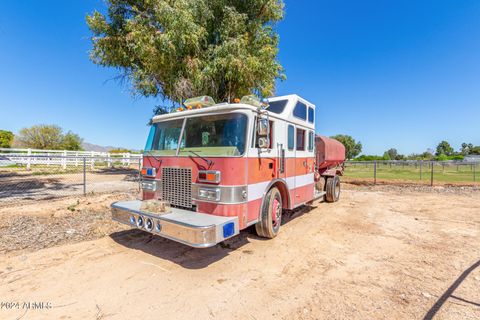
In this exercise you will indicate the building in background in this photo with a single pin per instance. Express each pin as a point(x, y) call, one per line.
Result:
point(472, 158)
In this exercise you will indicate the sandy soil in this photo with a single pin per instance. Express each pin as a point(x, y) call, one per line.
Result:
point(379, 253)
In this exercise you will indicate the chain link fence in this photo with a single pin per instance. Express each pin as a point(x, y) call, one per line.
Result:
point(417, 172)
point(41, 177)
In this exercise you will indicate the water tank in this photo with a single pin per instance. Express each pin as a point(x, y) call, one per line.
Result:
point(329, 152)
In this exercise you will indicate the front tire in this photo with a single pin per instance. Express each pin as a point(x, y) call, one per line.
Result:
point(270, 215)
point(332, 188)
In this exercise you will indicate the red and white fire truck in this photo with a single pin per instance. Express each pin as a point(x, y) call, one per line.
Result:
point(225, 167)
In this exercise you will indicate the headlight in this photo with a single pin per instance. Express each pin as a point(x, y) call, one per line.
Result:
point(212, 194)
point(149, 185)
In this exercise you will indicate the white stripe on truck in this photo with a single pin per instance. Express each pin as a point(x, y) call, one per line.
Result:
point(256, 190)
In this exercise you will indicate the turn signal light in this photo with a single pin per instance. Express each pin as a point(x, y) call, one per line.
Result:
point(211, 176)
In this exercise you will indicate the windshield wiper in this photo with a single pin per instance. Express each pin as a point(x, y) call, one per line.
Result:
point(208, 161)
point(148, 152)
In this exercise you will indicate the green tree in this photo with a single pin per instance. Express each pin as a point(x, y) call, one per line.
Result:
point(352, 148)
point(366, 157)
point(386, 156)
point(50, 137)
point(441, 157)
point(184, 48)
point(466, 148)
point(444, 148)
point(120, 150)
point(475, 150)
point(6, 139)
point(392, 153)
point(71, 141)
point(427, 155)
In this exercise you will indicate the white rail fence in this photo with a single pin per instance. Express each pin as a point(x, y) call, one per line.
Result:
point(65, 158)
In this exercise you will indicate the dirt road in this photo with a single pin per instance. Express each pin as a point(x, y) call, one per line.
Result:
point(376, 254)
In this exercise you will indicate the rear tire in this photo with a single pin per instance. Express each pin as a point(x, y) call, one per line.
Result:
point(332, 187)
point(270, 215)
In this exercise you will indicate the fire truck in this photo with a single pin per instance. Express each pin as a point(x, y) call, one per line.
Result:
point(211, 170)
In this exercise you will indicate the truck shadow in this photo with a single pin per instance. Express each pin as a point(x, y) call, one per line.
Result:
point(178, 253)
point(449, 293)
point(188, 257)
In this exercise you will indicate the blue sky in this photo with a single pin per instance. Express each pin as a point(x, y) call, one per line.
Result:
point(403, 74)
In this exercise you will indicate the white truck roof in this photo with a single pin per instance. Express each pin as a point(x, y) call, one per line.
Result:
point(286, 114)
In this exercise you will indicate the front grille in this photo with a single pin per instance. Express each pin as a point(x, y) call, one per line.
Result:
point(177, 186)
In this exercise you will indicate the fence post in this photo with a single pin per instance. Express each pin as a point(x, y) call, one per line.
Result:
point(431, 174)
point(29, 160)
point(84, 175)
point(109, 160)
point(139, 174)
point(64, 160)
point(474, 167)
point(375, 172)
point(92, 160)
point(421, 163)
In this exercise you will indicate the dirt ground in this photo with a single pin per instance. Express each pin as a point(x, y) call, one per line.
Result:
point(382, 252)
point(22, 187)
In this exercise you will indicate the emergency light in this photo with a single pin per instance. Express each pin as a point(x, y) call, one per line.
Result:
point(253, 100)
point(198, 102)
point(151, 172)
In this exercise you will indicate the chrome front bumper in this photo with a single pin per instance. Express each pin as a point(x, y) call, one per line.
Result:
point(195, 229)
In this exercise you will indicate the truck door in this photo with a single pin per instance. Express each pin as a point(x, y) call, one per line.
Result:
point(290, 156)
point(303, 165)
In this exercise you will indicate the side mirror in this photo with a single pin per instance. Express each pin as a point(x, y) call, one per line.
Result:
point(263, 143)
point(263, 127)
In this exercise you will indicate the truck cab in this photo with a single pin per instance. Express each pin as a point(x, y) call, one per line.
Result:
point(221, 168)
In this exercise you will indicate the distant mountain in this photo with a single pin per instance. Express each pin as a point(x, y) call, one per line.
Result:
point(95, 147)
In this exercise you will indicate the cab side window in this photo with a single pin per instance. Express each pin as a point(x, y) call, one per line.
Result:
point(254, 133)
point(310, 140)
point(300, 139)
point(291, 137)
point(300, 111)
point(311, 115)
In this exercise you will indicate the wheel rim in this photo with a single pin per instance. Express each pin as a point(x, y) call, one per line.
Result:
point(337, 189)
point(276, 212)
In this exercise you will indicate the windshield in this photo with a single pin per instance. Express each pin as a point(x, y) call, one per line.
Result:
point(215, 135)
point(163, 137)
